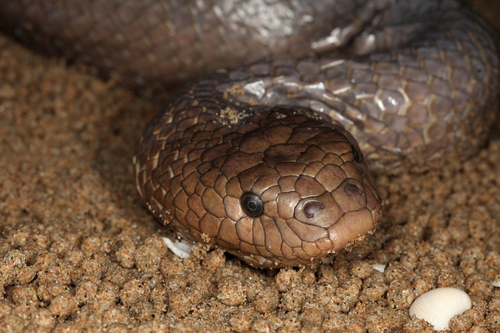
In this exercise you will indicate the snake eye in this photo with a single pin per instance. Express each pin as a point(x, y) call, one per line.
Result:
point(357, 155)
point(252, 205)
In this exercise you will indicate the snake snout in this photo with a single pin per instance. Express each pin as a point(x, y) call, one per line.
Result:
point(346, 214)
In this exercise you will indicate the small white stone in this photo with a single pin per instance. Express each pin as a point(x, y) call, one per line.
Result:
point(180, 249)
point(438, 306)
point(496, 283)
point(379, 267)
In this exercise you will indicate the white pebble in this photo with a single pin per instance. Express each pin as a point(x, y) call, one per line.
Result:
point(180, 249)
point(496, 283)
point(438, 306)
point(379, 267)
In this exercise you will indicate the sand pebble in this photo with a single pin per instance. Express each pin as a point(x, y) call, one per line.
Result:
point(438, 306)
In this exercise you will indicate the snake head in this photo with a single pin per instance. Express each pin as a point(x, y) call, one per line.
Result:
point(281, 187)
point(297, 190)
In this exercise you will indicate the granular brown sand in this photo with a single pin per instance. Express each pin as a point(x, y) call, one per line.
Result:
point(80, 253)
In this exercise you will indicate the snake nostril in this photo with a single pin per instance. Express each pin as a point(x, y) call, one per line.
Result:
point(352, 189)
point(312, 207)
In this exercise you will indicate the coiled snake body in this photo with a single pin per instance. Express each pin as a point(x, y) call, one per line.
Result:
point(267, 160)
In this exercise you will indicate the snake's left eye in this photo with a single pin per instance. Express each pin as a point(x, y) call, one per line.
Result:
point(251, 204)
point(357, 155)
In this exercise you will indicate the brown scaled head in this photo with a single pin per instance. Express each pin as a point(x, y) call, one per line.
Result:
point(297, 190)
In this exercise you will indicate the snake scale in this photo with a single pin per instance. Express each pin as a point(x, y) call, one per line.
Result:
point(268, 159)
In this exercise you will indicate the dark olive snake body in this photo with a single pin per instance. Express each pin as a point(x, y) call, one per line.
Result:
point(267, 160)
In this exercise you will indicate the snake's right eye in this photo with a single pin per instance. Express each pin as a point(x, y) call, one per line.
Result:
point(252, 205)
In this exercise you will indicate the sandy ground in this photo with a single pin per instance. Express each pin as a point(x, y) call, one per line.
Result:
point(80, 253)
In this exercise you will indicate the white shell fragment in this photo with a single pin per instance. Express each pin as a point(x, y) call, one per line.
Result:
point(180, 249)
point(379, 267)
point(496, 283)
point(438, 306)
